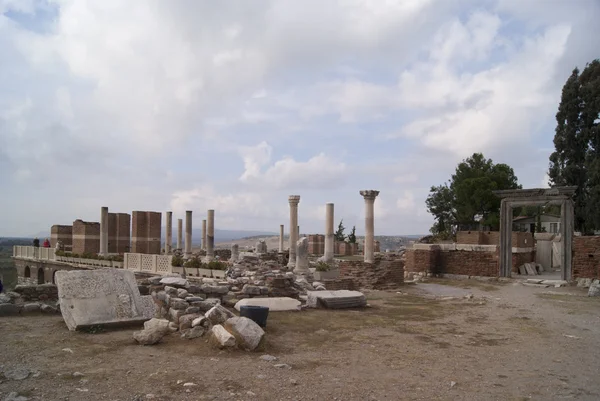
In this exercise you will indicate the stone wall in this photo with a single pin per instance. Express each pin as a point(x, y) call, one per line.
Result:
point(63, 233)
point(223, 254)
point(383, 274)
point(520, 258)
point(316, 244)
point(340, 284)
point(35, 293)
point(421, 260)
point(345, 248)
point(586, 257)
point(518, 239)
point(119, 233)
point(86, 237)
point(146, 231)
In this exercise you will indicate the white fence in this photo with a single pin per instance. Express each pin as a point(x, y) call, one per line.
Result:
point(33, 252)
point(141, 262)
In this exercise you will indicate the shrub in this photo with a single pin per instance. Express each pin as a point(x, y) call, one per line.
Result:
point(59, 253)
point(177, 261)
point(323, 267)
point(216, 265)
point(193, 262)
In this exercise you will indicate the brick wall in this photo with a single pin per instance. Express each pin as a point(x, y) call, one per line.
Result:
point(316, 244)
point(518, 239)
point(383, 274)
point(345, 248)
point(421, 261)
point(86, 237)
point(469, 237)
point(340, 284)
point(470, 263)
point(586, 257)
point(119, 232)
point(518, 259)
point(146, 231)
point(62, 233)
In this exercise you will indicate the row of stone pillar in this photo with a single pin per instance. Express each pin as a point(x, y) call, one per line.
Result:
point(296, 247)
point(208, 234)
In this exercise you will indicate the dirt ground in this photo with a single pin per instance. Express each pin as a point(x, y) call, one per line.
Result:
point(429, 342)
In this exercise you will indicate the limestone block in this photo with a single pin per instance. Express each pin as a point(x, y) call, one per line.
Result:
point(185, 321)
point(175, 282)
point(182, 293)
point(171, 291)
point(221, 338)
point(251, 289)
point(214, 289)
point(178, 303)
point(31, 308)
point(336, 299)
point(199, 321)
point(101, 297)
point(175, 314)
point(194, 332)
point(247, 333)
point(594, 290)
point(218, 314)
point(154, 331)
point(274, 304)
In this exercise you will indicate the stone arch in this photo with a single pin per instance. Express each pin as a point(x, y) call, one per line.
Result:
point(40, 276)
point(27, 272)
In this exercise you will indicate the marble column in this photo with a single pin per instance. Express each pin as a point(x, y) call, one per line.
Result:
point(369, 196)
point(328, 254)
point(298, 232)
point(103, 231)
point(235, 253)
point(169, 234)
point(302, 256)
point(210, 235)
point(188, 234)
point(293, 201)
point(179, 232)
point(280, 238)
point(204, 234)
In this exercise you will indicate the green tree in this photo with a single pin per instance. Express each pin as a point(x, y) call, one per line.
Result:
point(339, 234)
point(576, 159)
point(352, 235)
point(467, 199)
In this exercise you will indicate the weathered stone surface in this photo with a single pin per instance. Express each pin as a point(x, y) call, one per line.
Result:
point(175, 282)
point(48, 309)
point(192, 309)
point(247, 333)
point(8, 310)
point(594, 290)
point(215, 289)
point(194, 289)
point(154, 331)
point(218, 314)
point(251, 289)
point(274, 304)
point(185, 321)
point(171, 291)
point(194, 299)
point(336, 299)
point(174, 315)
point(194, 332)
point(221, 338)
point(199, 321)
point(207, 305)
point(4, 299)
point(14, 396)
point(31, 308)
point(16, 374)
point(100, 297)
point(178, 303)
point(182, 293)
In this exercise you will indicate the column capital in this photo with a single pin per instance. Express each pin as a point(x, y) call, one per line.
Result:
point(294, 199)
point(369, 194)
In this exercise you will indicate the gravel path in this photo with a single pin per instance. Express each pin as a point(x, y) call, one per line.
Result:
point(432, 341)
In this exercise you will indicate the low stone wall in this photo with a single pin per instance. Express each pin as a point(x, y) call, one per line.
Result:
point(34, 293)
point(518, 239)
point(586, 257)
point(340, 284)
point(383, 274)
point(223, 254)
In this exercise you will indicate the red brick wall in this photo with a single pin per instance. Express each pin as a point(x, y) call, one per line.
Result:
point(490, 238)
point(518, 239)
point(518, 259)
point(86, 237)
point(469, 237)
point(383, 274)
point(146, 231)
point(470, 263)
point(586, 257)
point(421, 261)
point(340, 284)
point(316, 244)
point(119, 232)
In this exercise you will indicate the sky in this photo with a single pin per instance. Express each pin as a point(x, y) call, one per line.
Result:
point(234, 105)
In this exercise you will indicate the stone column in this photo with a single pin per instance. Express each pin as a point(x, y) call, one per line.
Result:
point(302, 256)
point(188, 234)
point(328, 254)
point(293, 201)
point(103, 231)
point(369, 196)
point(210, 237)
point(179, 232)
point(169, 234)
point(235, 253)
point(204, 234)
point(298, 232)
point(280, 238)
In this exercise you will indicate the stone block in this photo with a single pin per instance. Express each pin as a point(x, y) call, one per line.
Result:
point(31, 308)
point(247, 333)
point(185, 321)
point(221, 338)
point(178, 303)
point(336, 299)
point(274, 304)
point(101, 297)
point(177, 282)
point(218, 314)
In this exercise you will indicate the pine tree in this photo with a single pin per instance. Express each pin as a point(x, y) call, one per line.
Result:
point(352, 235)
point(576, 159)
point(339, 234)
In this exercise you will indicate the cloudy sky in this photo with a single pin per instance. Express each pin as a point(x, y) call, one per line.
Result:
point(234, 105)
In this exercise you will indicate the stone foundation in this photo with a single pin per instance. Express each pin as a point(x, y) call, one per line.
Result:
point(383, 274)
point(35, 293)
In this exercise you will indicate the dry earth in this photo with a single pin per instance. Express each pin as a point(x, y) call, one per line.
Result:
point(428, 343)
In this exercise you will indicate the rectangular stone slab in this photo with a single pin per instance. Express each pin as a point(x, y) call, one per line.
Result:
point(275, 304)
point(103, 297)
point(336, 299)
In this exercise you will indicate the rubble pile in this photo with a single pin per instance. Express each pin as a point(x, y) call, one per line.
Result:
point(29, 300)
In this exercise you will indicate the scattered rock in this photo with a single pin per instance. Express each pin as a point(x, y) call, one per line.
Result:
point(67, 350)
point(218, 314)
point(282, 366)
point(14, 396)
point(194, 332)
point(452, 384)
point(48, 309)
point(178, 303)
point(268, 358)
point(16, 374)
point(247, 333)
point(594, 290)
point(31, 308)
point(185, 321)
point(192, 309)
point(194, 299)
point(221, 338)
point(199, 321)
point(294, 382)
point(154, 331)
point(174, 282)
point(78, 374)
point(182, 293)
point(189, 384)
point(173, 327)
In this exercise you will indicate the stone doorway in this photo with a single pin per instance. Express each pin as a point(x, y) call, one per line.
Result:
point(512, 198)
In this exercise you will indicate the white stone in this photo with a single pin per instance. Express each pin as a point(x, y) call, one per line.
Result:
point(275, 304)
point(247, 333)
point(199, 321)
point(302, 263)
point(221, 337)
point(218, 314)
point(556, 283)
point(102, 296)
point(154, 331)
point(174, 281)
point(268, 358)
point(594, 290)
point(336, 299)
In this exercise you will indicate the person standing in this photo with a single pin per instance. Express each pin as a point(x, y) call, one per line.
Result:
point(36, 246)
point(46, 243)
